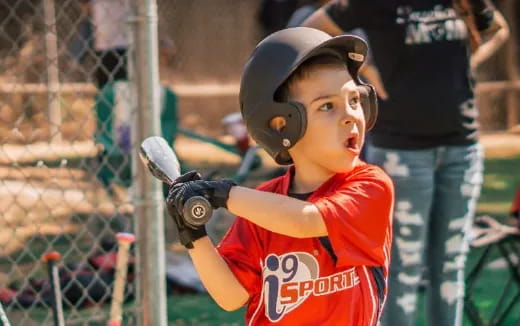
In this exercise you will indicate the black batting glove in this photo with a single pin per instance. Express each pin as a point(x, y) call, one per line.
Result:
point(216, 192)
point(187, 233)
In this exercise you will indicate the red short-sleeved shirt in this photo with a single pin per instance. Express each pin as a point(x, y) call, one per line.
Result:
point(297, 281)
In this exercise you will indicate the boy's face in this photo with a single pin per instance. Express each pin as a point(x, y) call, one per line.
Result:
point(335, 121)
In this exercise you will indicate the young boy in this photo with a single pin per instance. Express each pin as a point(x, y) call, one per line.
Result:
point(310, 247)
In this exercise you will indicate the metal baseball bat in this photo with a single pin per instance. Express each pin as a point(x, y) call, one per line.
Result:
point(57, 305)
point(124, 240)
point(3, 316)
point(159, 158)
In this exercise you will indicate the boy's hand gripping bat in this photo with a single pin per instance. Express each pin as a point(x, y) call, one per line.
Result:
point(162, 162)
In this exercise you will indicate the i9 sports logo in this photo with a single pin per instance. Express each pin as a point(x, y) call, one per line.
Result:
point(289, 279)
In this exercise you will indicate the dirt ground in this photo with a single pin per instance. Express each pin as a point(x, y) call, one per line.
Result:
point(496, 145)
point(501, 144)
point(41, 200)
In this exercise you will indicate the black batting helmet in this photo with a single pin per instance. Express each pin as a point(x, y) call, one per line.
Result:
point(272, 62)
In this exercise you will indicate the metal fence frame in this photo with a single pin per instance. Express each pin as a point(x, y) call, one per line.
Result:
point(149, 218)
point(150, 302)
point(146, 194)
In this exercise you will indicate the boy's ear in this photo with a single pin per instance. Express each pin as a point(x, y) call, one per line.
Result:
point(278, 123)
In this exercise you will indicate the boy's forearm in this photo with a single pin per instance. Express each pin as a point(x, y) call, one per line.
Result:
point(277, 213)
point(216, 276)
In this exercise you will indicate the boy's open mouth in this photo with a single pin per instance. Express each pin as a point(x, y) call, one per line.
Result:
point(352, 143)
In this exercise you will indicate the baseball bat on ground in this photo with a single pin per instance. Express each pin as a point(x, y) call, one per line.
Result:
point(57, 305)
point(159, 158)
point(3, 316)
point(124, 240)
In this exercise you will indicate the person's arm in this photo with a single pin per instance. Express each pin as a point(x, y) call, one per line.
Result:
point(355, 215)
point(329, 18)
point(216, 276)
point(336, 17)
point(371, 74)
point(493, 38)
point(354, 206)
point(277, 213)
point(322, 21)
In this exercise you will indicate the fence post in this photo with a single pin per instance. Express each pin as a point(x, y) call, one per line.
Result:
point(511, 66)
point(149, 211)
point(51, 54)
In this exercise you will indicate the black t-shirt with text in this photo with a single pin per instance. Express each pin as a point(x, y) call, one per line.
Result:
point(420, 48)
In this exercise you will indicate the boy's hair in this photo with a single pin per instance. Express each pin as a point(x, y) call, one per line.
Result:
point(283, 93)
point(277, 125)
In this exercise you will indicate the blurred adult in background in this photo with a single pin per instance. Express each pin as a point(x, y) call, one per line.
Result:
point(83, 40)
point(426, 137)
point(273, 15)
point(369, 70)
point(108, 42)
point(104, 29)
point(111, 36)
point(303, 11)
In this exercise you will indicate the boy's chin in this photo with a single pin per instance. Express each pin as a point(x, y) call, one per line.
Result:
point(347, 165)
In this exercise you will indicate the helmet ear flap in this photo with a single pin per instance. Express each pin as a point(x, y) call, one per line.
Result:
point(289, 126)
point(300, 120)
point(369, 104)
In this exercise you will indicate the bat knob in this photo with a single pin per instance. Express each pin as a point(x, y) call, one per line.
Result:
point(125, 237)
point(197, 211)
point(51, 256)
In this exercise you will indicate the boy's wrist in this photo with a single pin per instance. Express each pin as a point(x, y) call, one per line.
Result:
point(187, 236)
point(200, 243)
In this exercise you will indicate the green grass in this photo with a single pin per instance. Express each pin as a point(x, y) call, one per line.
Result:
point(500, 182)
point(200, 310)
point(501, 179)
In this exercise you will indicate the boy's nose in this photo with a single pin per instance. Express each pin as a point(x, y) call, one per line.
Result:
point(347, 115)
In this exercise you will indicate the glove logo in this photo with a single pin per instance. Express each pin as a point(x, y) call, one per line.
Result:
point(289, 279)
point(198, 211)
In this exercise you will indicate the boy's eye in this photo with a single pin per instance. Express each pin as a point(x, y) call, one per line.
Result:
point(326, 107)
point(355, 101)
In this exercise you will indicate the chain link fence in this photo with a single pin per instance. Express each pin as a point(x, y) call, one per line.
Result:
point(64, 158)
point(66, 85)
point(67, 100)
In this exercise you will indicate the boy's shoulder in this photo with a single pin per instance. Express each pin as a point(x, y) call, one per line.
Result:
point(363, 172)
point(370, 173)
point(274, 183)
point(367, 170)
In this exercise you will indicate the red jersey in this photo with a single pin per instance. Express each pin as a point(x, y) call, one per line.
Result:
point(294, 281)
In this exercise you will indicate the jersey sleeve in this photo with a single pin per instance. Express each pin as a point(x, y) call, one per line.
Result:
point(241, 250)
point(347, 14)
point(358, 220)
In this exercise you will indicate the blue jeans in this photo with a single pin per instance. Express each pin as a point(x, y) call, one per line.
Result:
point(436, 191)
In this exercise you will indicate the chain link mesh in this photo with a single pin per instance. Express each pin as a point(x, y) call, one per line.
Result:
point(65, 136)
point(60, 190)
